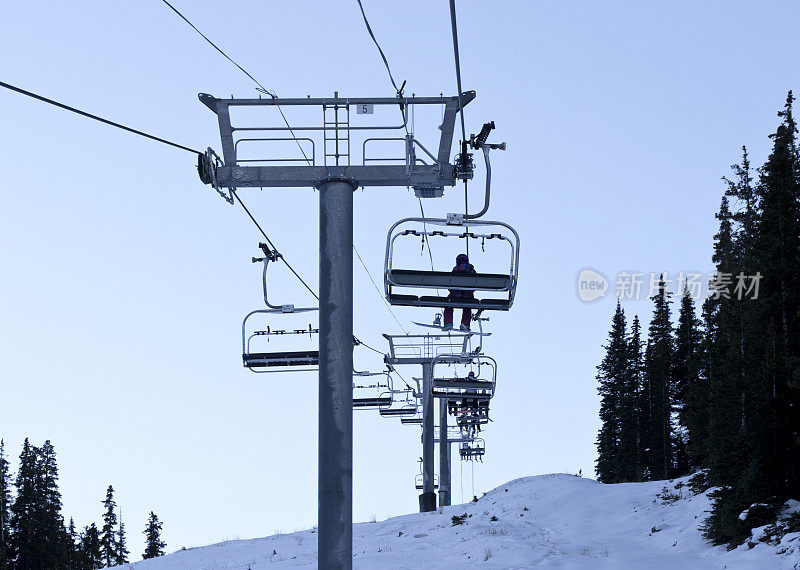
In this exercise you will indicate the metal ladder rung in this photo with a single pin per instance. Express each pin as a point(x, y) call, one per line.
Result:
point(336, 132)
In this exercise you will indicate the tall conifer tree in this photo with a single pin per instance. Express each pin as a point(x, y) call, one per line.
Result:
point(755, 344)
point(635, 389)
point(51, 534)
point(628, 468)
point(24, 536)
point(685, 379)
point(5, 509)
point(122, 547)
point(779, 256)
point(108, 535)
point(612, 375)
point(91, 553)
point(658, 373)
point(154, 546)
point(74, 545)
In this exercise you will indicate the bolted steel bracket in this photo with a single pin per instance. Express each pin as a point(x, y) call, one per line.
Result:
point(207, 164)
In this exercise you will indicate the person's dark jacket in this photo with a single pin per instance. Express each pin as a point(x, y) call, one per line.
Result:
point(463, 266)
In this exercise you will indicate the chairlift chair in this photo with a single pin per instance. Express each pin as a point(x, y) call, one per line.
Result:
point(395, 278)
point(419, 478)
point(408, 407)
point(418, 481)
point(473, 450)
point(478, 389)
point(401, 412)
point(375, 395)
point(284, 361)
point(415, 421)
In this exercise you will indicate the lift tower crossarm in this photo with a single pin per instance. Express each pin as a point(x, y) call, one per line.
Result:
point(233, 174)
point(310, 176)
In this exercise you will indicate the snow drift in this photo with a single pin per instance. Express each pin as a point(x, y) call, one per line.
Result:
point(556, 520)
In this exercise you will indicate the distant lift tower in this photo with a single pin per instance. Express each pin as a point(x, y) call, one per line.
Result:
point(329, 165)
point(428, 350)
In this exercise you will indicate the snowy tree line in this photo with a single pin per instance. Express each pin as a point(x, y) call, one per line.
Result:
point(720, 395)
point(33, 534)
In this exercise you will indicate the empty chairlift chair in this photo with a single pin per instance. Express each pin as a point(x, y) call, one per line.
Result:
point(455, 227)
point(419, 482)
point(259, 360)
point(419, 478)
point(405, 406)
point(372, 395)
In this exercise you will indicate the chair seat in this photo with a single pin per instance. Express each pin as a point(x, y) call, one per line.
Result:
point(463, 384)
point(391, 412)
point(269, 359)
point(460, 396)
point(371, 402)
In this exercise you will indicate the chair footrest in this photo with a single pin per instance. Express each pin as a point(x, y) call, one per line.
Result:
point(371, 402)
point(440, 302)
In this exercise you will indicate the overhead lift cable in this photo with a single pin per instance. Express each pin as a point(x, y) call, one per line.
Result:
point(216, 47)
point(383, 298)
point(96, 118)
point(454, 26)
point(272, 245)
point(261, 88)
point(273, 95)
point(399, 95)
point(383, 56)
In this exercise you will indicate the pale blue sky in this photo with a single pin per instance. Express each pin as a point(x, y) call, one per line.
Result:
point(124, 280)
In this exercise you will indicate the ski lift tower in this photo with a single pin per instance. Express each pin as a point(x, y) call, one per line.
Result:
point(327, 166)
point(428, 350)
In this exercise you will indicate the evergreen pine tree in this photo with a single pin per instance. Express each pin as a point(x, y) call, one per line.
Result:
point(611, 376)
point(755, 348)
point(5, 510)
point(778, 251)
point(108, 536)
point(122, 548)
point(24, 536)
point(51, 534)
point(91, 554)
point(629, 457)
point(685, 380)
point(73, 545)
point(658, 393)
point(728, 450)
point(635, 405)
point(726, 423)
point(154, 546)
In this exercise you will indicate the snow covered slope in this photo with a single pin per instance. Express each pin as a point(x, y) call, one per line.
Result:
point(558, 520)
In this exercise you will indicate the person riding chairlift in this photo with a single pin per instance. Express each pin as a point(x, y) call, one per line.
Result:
point(462, 266)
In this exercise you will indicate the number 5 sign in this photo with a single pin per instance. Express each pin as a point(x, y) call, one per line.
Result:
point(365, 109)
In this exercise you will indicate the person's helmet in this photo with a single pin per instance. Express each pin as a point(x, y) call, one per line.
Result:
point(462, 258)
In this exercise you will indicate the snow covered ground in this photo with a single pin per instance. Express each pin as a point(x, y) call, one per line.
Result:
point(558, 520)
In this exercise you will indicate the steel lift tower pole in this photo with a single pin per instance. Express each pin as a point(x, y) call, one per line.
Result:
point(336, 178)
point(427, 500)
point(335, 498)
point(444, 456)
